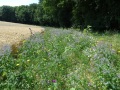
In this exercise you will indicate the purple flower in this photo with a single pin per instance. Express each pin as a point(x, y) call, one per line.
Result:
point(54, 81)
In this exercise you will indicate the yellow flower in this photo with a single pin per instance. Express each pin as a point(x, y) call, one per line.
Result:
point(97, 41)
point(44, 59)
point(28, 60)
point(17, 64)
point(118, 51)
point(24, 41)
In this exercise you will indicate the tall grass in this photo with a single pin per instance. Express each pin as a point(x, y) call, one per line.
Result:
point(61, 60)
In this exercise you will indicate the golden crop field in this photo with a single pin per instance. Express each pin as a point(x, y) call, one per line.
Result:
point(13, 32)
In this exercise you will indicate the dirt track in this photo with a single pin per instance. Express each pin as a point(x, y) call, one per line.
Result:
point(12, 32)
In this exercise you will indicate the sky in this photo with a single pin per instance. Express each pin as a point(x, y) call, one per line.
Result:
point(17, 2)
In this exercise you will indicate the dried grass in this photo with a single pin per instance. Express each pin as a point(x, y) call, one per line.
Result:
point(11, 33)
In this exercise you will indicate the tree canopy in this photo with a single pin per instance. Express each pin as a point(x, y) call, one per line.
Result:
point(99, 14)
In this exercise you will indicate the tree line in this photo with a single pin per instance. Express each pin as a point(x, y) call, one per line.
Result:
point(100, 14)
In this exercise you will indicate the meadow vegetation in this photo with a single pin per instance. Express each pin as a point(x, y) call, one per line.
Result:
point(60, 59)
point(63, 60)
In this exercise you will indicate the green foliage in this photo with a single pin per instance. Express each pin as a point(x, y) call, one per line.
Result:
point(99, 14)
point(65, 8)
point(61, 59)
point(87, 30)
point(22, 14)
point(58, 12)
point(32, 13)
point(104, 60)
point(7, 13)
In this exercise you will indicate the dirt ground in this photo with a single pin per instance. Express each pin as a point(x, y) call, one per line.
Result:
point(11, 33)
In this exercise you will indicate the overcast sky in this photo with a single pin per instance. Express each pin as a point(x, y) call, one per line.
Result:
point(17, 2)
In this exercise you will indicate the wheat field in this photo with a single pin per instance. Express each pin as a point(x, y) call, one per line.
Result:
point(11, 33)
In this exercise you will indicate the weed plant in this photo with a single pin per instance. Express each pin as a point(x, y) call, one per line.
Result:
point(61, 61)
